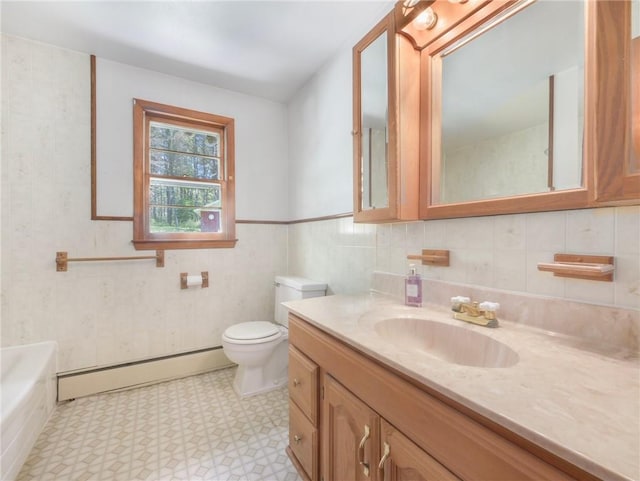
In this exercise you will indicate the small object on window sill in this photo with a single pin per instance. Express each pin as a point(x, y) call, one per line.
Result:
point(595, 268)
point(432, 257)
point(62, 259)
point(187, 281)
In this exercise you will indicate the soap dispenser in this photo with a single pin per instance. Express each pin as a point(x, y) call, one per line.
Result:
point(413, 288)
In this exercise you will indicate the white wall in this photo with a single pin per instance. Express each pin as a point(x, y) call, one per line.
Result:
point(320, 143)
point(108, 313)
point(260, 138)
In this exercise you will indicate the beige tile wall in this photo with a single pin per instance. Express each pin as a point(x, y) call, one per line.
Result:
point(498, 252)
point(337, 252)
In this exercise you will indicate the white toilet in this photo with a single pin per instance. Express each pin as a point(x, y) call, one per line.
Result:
point(260, 347)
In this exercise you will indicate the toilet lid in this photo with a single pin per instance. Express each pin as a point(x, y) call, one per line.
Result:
point(251, 330)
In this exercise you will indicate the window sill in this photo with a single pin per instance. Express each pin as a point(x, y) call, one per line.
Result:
point(183, 244)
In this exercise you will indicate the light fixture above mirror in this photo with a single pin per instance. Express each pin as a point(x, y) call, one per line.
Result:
point(413, 12)
point(426, 20)
point(421, 21)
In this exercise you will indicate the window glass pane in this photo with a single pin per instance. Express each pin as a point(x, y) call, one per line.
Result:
point(184, 165)
point(188, 141)
point(180, 219)
point(180, 206)
point(181, 152)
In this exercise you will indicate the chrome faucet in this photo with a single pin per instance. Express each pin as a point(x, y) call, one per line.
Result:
point(483, 313)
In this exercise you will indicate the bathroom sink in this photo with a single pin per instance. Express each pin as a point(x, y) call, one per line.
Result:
point(457, 345)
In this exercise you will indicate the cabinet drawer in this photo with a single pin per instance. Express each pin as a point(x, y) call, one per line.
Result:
point(303, 384)
point(303, 441)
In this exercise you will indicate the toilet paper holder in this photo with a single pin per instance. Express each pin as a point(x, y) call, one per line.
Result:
point(187, 281)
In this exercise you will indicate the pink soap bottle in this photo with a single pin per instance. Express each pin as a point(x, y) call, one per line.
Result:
point(413, 288)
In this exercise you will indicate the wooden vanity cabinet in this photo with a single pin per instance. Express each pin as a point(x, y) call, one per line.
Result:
point(303, 384)
point(359, 445)
point(303, 414)
point(303, 443)
point(428, 435)
point(351, 434)
point(406, 461)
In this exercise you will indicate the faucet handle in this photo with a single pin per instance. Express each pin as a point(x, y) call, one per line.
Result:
point(460, 299)
point(489, 306)
point(457, 301)
point(489, 309)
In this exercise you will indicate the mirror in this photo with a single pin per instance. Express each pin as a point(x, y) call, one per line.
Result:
point(511, 105)
point(386, 126)
point(374, 90)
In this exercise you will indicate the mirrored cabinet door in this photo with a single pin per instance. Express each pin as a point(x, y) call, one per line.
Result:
point(385, 130)
point(515, 121)
point(504, 116)
point(511, 124)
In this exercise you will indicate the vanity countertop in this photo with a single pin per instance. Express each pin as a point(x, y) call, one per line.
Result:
point(579, 401)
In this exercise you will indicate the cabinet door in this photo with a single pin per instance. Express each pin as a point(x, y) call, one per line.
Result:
point(350, 435)
point(386, 126)
point(402, 460)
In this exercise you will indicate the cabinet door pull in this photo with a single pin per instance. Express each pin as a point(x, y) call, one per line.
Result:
point(385, 456)
point(297, 439)
point(365, 466)
point(296, 383)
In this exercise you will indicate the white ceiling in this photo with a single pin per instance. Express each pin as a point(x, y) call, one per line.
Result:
point(264, 48)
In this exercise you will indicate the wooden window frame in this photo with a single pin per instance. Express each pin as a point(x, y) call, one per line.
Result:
point(143, 113)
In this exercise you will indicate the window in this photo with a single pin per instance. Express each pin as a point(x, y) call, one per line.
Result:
point(183, 178)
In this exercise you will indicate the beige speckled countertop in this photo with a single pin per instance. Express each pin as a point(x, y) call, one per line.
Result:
point(579, 401)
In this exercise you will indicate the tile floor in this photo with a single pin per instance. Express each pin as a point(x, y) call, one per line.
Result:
point(194, 428)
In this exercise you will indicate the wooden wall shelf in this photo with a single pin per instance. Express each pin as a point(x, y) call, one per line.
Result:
point(432, 257)
point(594, 268)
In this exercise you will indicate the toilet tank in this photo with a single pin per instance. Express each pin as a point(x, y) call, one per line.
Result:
point(291, 288)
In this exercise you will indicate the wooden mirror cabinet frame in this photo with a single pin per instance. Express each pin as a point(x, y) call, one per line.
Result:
point(615, 146)
point(403, 96)
point(607, 142)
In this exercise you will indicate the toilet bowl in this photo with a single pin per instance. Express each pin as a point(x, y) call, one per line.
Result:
point(252, 346)
point(260, 347)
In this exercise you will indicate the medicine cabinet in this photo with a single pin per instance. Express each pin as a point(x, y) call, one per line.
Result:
point(516, 121)
point(510, 120)
point(385, 126)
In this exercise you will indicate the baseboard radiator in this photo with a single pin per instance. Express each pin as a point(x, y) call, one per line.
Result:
point(76, 384)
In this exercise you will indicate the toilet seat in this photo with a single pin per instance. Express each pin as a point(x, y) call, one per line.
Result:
point(254, 332)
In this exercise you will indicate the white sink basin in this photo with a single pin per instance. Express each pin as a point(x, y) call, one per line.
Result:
point(457, 345)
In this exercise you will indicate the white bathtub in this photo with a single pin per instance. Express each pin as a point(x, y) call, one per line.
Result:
point(28, 385)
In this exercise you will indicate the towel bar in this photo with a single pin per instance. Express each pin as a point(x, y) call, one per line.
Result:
point(62, 259)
